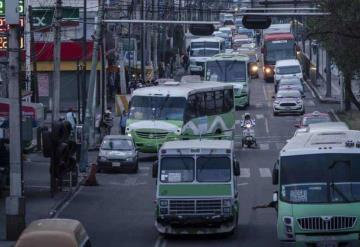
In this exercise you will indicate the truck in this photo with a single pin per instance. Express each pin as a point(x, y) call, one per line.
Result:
point(196, 187)
point(317, 176)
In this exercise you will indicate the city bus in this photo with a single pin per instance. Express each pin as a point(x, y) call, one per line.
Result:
point(196, 187)
point(177, 110)
point(317, 176)
point(231, 68)
point(278, 45)
point(201, 49)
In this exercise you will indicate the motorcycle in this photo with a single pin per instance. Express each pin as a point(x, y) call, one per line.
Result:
point(248, 134)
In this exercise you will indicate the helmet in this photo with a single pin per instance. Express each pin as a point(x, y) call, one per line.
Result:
point(247, 116)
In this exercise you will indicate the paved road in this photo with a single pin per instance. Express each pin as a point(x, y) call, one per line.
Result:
point(120, 212)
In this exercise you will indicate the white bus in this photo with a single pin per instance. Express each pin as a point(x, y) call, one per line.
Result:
point(201, 49)
point(177, 110)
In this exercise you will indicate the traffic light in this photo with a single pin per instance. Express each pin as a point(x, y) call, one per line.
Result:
point(256, 22)
point(60, 149)
point(202, 29)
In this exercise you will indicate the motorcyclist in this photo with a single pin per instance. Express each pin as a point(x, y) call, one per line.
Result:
point(247, 119)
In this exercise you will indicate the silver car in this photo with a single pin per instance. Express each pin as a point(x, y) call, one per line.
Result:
point(288, 102)
point(290, 83)
point(118, 152)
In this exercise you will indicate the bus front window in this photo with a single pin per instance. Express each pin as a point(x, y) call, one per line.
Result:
point(157, 108)
point(226, 71)
point(204, 52)
point(213, 169)
point(177, 169)
point(319, 178)
point(279, 50)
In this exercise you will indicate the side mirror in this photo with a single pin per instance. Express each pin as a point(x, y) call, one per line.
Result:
point(155, 169)
point(275, 197)
point(236, 168)
point(275, 176)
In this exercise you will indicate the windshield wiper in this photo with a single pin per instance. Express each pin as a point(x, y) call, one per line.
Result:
point(332, 183)
point(163, 105)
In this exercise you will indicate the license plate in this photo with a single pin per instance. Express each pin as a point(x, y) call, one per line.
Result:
point(116, 164)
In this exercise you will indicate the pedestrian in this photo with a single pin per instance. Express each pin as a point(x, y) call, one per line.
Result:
point(161, 70)
point(107, 122)
point(71, 118)
point(122, 122)
point(185, 62)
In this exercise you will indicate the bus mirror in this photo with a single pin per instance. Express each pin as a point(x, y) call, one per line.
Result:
point(155, 169)
point(236, 168)
point(275, 196)
point(275, 176)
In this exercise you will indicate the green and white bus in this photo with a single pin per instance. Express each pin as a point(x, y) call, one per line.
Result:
point(231, 68)
point(318, 189)
point(180, 111)
point(196, 188)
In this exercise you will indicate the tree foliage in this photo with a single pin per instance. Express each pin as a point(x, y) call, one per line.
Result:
point(339, 34)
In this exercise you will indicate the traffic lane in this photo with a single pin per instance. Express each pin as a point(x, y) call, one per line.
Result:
point(118, 212)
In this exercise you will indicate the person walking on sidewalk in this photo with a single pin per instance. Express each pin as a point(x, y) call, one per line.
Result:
point(122, 123)
point(71, 118)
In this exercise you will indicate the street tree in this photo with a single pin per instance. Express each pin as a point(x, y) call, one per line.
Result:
point(339, 34)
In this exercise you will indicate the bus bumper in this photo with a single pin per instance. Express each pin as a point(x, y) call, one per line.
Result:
point(349, 240)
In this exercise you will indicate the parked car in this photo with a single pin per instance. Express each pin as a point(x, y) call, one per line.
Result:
point(288, 102)
point(54, 233)
point(118, 152)
point(289, 68)
point(313, 117)
point(290, 83)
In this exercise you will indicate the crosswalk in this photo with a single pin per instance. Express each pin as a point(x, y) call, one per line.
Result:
point(263, 145)
point(257, 172)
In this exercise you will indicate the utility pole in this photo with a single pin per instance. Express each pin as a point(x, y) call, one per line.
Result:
point(121, 64)
point(15, 202)
point(84, 58)
point(57, 52)
point(33, 77)
point(89, 114)
point(328, 75)
point(27, 38)
point(143, 40)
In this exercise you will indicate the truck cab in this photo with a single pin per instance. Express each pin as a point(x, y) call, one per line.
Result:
point(196, 187)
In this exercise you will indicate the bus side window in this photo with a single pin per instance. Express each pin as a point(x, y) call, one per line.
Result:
point(190, 109)
point(201, 104)
point(219, 101)
point(210, 103)
point(228, 100)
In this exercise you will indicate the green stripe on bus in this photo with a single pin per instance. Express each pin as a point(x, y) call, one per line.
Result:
point(195, 190)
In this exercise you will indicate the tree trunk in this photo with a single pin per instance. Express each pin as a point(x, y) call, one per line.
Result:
point(349, 95)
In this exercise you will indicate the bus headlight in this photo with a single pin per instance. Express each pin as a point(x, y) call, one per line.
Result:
point(289, 227)
point(163, 203)
point(267, 70)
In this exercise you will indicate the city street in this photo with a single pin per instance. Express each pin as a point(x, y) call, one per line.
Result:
point(120, 212)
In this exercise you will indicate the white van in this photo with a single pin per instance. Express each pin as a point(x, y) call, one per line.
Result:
point(288, 68)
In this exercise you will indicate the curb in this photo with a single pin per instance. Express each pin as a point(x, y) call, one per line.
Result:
point(54, 210)
point(319, 96)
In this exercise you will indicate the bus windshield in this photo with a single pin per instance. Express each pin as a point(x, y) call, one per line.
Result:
point(157, 108)
point(319, 178)
point(177, 169)
point(213, 169)
point(203, 52)
point(279, 50)
point(226, 71)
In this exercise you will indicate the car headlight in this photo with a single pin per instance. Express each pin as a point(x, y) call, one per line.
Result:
point(276, 102)
point(267, 70)
point(102, 158)
point(254, 68)
point(130, 159)
point(163, 203)
point(299, 102)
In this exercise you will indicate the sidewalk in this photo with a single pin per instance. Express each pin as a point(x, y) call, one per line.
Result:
point(39, 203)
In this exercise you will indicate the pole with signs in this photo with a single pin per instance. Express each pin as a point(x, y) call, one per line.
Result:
point(15, 202)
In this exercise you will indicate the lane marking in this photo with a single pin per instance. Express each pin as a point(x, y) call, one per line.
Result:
point(259, 116)
point(267, 126)
point(244, 172)
point(264, 146)
point(66, 204)
point(242, 184)
point(160, 242)
point(265, 172)
point(265, 94)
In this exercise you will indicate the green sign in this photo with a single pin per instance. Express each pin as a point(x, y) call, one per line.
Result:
point(43, 17)
point(2, 7)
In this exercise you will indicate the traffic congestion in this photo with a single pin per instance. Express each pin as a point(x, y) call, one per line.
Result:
point(235, 150)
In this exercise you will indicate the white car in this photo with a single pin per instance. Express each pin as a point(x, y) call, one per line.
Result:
point(288, 102)
point(289, 68)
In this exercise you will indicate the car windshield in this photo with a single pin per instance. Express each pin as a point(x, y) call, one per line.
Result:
point(319, 178)
point(318, 119)
point(226, 71)
point(288, 94)
point(288, 70)
point(290, 82)
point(157, 108)
point(203, 52)
point(213, 169)
point(117, 144)
point(177, 169)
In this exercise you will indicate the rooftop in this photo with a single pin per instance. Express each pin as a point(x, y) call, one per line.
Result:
point(287, 62)
point(198, 144)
